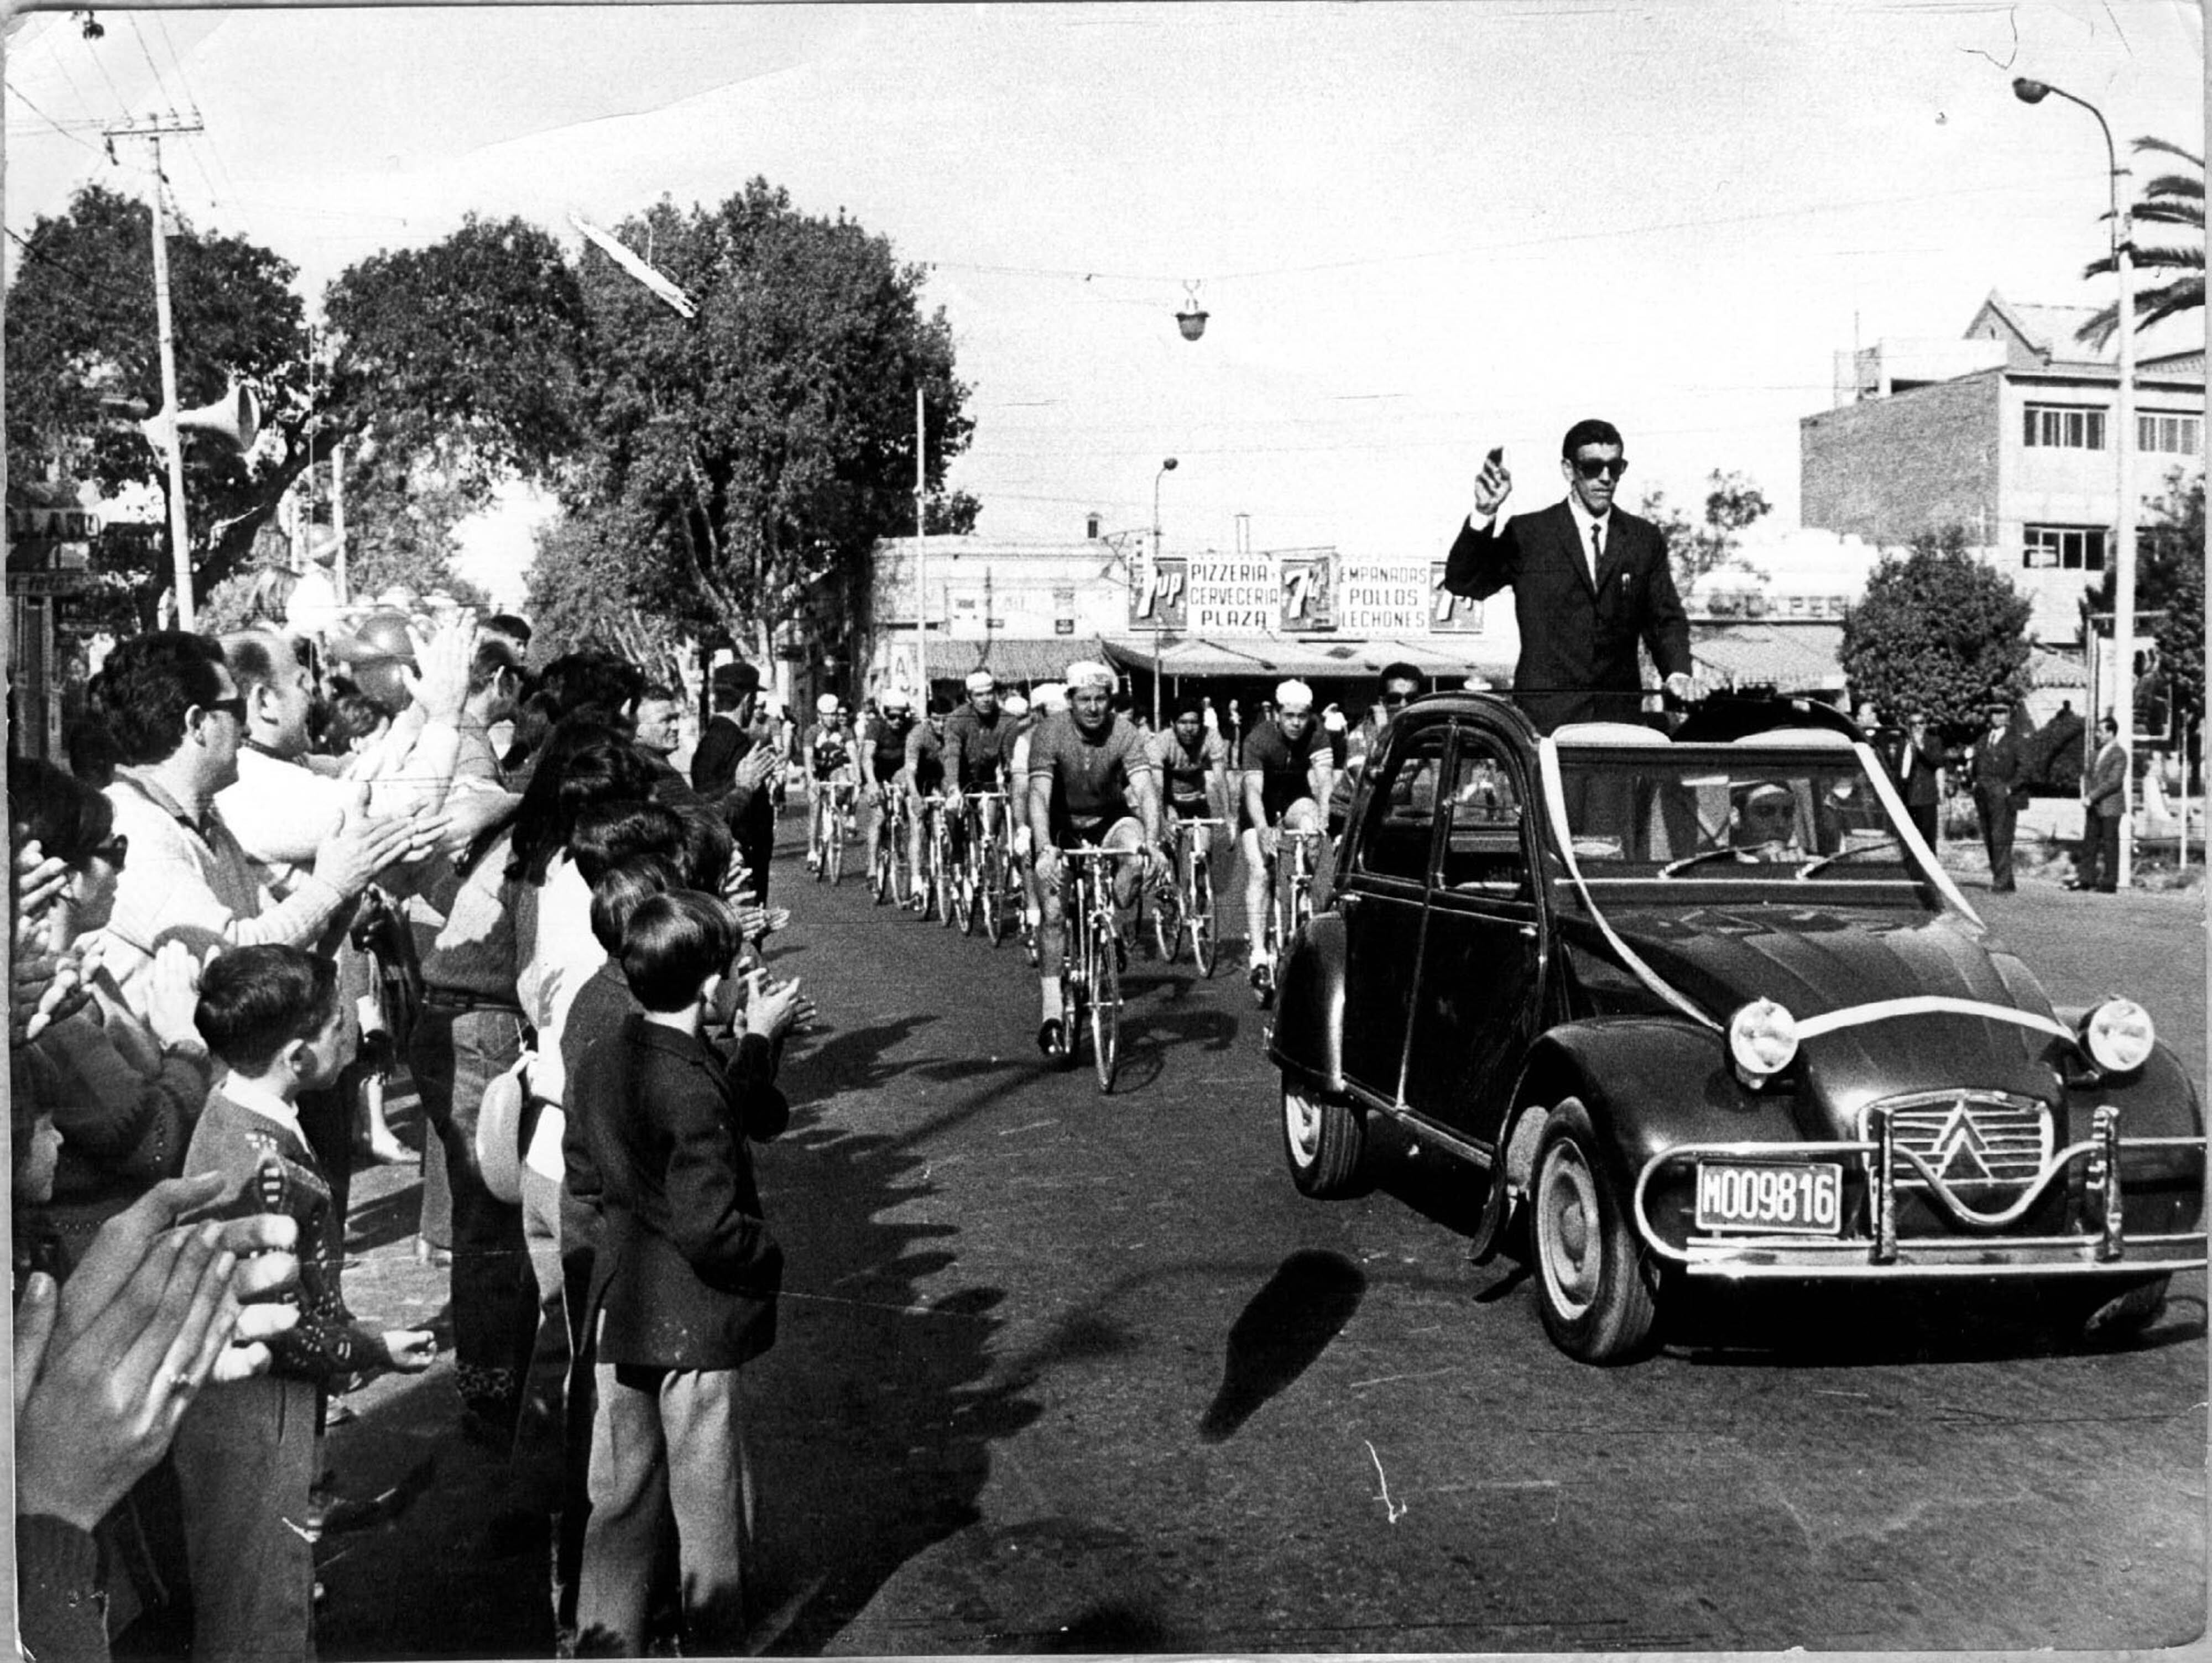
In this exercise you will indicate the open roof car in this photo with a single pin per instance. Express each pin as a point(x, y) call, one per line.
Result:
point(1706, 1005)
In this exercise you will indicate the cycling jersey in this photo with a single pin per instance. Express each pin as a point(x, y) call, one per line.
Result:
point(978, 748)
point(1284, 764)
point(887, 747)
point(1184, 775)
point(833, 751)
point(1090, 774)
point(925, 758)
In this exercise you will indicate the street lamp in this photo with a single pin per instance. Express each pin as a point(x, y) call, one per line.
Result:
point(2123, 600)
point(1159, 622)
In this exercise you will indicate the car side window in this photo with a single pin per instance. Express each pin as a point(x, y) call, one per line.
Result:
point(1483, 850)
point(1402, 813)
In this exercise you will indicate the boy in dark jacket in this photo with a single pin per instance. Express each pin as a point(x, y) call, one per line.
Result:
point(683, 1283)
point(245, 1454)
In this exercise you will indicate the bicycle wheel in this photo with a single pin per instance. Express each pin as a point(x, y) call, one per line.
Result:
point(1167, 921)
point(833, 853)
point(880, 875)
point(942, 875)
point(1198, 917)
point(993, 892)
point(1105, 992)
point(967, 887)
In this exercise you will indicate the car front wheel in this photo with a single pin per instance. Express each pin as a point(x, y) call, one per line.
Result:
point(1323, 1139)
point(1591, 1279)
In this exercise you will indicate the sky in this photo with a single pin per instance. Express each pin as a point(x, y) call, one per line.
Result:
point(1418, 231)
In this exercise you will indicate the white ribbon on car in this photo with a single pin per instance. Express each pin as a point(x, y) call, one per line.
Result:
point(1927, 1005)
point(1556, 803)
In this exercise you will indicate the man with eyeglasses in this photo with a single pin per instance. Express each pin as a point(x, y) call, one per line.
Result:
point(1402, 684)
point(177, 717)
point(1589, 581)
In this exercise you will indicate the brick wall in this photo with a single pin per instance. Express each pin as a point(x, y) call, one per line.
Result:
point(1886, 469)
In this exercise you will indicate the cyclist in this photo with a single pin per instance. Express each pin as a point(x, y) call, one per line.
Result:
point(1287, 775)
point(828, 765)
point(922, 773)
point(883, 755)
point(1047, 699)
point(1091, 781)
point(1193, 760)
point(1400, 684)
point(979, 742)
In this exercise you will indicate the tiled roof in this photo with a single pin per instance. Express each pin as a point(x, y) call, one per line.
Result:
point(1023, 660)
point(1790, 657)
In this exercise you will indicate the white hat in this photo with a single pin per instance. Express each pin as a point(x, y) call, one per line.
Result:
point(1089, 672)
point(498, 1131)
point(1046, 697)
point(894, 698)
point(1014, 705)
point(981, 681)
point(828, 704)
point(1292, 697)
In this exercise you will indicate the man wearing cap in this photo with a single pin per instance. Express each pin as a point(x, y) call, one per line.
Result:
point(1046, 699)
point(1400, 685)
point(979, 744)
point(1999, 772)
point(829, 764)
point(1588, 580)
point(730, 767)
point(1091, 782)
point(1287, 773)
point(883, 758)
point(1193, 764)
point(924, 777)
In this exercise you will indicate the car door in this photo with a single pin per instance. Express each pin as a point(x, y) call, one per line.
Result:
point(1383, 896)
point(1475, 1005)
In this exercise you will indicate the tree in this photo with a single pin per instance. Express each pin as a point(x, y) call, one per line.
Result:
point(1698, 549)
point(760, 449)
point(2178, 268)
point(400, 530)
point(1937, 631)
point(80, 328)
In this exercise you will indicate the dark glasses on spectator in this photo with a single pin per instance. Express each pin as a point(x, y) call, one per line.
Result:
point(113, 850)
point(1592, 467)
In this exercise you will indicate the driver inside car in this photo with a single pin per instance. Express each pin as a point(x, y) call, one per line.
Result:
point(1763, 823)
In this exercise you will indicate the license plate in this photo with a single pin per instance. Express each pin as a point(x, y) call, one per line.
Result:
point(1789, 1198)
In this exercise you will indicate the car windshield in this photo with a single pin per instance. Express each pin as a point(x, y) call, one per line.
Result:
point(1730, 814)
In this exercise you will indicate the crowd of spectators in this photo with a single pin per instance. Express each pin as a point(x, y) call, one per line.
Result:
point(284, 872)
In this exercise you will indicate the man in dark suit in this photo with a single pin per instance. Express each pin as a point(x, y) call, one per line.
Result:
point(2000, 776)
point(1916, 763)
point(732, 765)
point(1589, 581)
point(2103, 788)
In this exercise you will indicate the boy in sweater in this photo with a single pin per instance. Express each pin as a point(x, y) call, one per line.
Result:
point(246, 1455)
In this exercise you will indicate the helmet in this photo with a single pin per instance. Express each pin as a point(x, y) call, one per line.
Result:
point(829, 705)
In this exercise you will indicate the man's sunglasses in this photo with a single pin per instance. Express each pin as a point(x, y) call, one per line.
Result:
point(1593, 467)
point(113, 851)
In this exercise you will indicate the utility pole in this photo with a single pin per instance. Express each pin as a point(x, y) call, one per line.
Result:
point(337, 523)
point(921, 551)
point(152, 129)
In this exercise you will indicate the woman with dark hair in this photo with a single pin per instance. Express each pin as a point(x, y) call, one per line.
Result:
point(124, 1093)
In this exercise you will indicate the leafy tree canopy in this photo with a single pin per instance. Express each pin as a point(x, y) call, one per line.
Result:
point(1699, 548)
point(1937, 631)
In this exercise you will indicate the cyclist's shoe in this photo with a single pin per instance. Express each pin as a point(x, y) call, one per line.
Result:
point(1263, 982)
point(1052, 1039)
point(813, 860)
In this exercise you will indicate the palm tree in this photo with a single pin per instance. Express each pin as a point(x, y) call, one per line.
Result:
point(2169, 199)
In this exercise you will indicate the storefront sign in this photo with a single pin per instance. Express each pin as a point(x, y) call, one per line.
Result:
point(1450, 613)
point(1161, 598)
point(1383, 598)
point(1309, 593)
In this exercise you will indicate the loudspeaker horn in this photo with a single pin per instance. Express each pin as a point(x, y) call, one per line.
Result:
point(234, 418)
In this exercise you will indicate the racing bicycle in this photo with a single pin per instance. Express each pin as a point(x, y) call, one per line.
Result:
point(1290, 901)
point(833, 825)
point(987, 883)
point(932, 885)
point(1183, 905)
point(890, 852)
point(1090, 982)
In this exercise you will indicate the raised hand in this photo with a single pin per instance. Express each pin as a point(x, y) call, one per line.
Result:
point(440, 683)
point(173, 994)
point(40, 880)
point(1493, 484)
point(360, 849)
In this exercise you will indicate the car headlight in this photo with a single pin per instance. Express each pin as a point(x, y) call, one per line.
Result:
point(2119, 1035)
point(1762, 1039)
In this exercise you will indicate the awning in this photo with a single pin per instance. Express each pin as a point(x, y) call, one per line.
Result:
point(2057, 666)
point(1023, 660)
point(1790, 658)
point(1312, 656)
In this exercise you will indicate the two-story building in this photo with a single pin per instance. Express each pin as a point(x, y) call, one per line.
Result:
point(2009, 432)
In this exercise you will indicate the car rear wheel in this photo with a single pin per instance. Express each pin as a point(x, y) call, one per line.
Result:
point(1323, 1139)
point(1592, 1281)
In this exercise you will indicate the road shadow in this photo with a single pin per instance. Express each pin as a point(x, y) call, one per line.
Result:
point(383, 1220)
point(1277, 1337)
point(847, 1059)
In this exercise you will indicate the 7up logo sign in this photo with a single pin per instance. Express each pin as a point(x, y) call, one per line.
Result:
point(1161, 599)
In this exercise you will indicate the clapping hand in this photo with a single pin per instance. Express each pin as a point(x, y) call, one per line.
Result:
point(773, 1008)
point(755, 766)
point(40, 880)
point(440, 686)
point(360, 849)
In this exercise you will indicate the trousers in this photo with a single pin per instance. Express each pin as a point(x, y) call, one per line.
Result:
point(1999, 816)
point(246, 1460)
point(667, 1444)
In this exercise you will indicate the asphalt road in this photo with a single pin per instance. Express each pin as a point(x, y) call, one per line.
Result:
point(1065, 1373)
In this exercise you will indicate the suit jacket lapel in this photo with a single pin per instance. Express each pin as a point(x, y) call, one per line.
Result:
point(1615, 556)
point(1570, 531)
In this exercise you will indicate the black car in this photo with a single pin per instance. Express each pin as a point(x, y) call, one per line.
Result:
point(1703, 1005)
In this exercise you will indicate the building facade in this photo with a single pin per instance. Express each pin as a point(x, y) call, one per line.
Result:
point(2009, 432)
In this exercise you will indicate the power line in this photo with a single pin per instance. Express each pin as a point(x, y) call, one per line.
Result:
point(17, 94)
point(146, 52)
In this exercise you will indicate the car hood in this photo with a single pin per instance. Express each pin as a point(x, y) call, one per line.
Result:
point(1814, 960)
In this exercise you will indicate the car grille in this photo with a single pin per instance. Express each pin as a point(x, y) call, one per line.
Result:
point(1976, 1142)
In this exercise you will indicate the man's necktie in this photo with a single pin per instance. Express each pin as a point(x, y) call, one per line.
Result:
point(1597, 549)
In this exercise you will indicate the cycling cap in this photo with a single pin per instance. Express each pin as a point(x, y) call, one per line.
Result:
point(1089, 672)
point(981, 681)
point(829, 705)
point(1047, 697)
point(894, 698)
point(1293, 697)
point(1014, 705)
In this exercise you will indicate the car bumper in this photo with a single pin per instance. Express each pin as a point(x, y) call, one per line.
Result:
point(1871, 1247)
